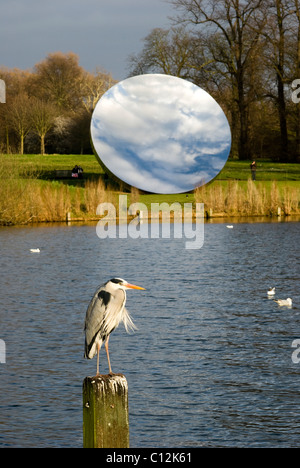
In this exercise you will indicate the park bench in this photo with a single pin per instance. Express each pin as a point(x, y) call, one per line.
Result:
point(63, 174)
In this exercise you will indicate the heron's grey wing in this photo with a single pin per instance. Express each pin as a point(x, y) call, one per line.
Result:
point(113, 313)
point(103, 315)
point(94, 320)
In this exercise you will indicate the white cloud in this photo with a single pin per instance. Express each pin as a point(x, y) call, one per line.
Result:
point(165, 128)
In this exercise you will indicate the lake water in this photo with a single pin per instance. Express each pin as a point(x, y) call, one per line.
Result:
point(210, 364)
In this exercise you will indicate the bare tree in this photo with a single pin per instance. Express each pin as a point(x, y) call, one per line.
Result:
point(18, 116)
point(42, 118)
point(16, 81)
point(172, 52)
point(295, 5)
point(236, 26)
point(276, 32)
point(93, 86)
point(57, 79)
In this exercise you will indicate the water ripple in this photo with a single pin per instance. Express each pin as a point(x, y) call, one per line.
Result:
point(210, 364)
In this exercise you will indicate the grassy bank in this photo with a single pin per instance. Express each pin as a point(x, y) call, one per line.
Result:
point(266, 171)
point(250, 198)
point(30, 193)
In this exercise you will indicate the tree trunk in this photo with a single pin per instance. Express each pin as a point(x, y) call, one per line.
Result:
point(297, 11)
point(43, 144)
point(22, 145)
point(7, 141)
point(242, 110)
point(284, 155)
point(280, 83)
point(243, 137)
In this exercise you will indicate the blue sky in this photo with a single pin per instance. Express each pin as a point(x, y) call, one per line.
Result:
point(102, 32)
point(161, 134)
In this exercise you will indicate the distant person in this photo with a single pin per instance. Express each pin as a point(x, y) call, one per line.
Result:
point(75, 171)
point(253, 170)
point(80, 172)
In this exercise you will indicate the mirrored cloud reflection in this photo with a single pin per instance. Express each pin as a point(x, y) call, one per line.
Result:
point(160, 134)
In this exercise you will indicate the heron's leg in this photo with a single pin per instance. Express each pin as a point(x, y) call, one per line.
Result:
point(107, 353)
point(98, 352)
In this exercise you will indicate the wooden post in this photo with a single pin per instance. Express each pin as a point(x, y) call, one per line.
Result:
point(105, 412)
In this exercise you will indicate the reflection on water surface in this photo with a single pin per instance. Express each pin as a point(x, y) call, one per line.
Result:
point(210, 363)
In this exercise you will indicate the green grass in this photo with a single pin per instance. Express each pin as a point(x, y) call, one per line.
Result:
point(46, 165)
point(266, 170)
point(34, 176)
point(51, 162)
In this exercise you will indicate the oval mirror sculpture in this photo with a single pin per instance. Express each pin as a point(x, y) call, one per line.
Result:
point(160, 133)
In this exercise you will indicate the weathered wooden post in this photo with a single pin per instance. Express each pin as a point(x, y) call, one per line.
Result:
point(105, 412)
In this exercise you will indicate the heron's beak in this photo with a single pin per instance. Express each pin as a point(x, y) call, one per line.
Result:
point(133, 286)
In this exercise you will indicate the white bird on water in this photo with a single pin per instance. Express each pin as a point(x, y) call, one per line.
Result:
point(271, 292)
point(105, 312)
point(35, 250)
point(284, 302)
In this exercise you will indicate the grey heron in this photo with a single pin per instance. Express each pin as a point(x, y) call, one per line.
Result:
point(105, 312)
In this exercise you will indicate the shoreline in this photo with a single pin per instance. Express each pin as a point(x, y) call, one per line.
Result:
point(218, 218)
point(26, 198)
